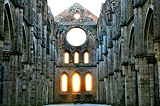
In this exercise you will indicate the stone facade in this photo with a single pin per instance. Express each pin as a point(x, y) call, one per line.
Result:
point(88, 23)
point(26, 53)
point(130, 51)
point(123, 46)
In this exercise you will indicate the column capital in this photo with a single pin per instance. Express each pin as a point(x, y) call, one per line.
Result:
point(150, 58)
point(6, 55)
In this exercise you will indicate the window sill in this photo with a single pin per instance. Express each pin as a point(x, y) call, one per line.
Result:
point(63, 93)
point(76, 93)
point(88, 93)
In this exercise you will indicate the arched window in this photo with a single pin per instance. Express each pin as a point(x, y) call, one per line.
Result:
point(76, 57)
point(66, 57)
point(64, 82)
point(86, 57)
point(76, 82)
point(88, 82)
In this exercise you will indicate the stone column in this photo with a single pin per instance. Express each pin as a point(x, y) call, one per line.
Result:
point(6, 73)
point(129, 97)
point(40, 71)
point(111, 88)
point(52, 59)
point(157, 35)
point(115, 88)
point(141, 66)
point(107, 87)
point(157, 57)
point(15, 79)
point(97, 72)
point(135, 86)
point(151, 61)
point(1, 30)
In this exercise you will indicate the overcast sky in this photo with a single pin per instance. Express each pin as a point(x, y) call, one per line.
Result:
point(57, 6)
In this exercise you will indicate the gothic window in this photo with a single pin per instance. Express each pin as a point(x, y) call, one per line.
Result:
point(66, 57)
point(76, 57)
point(76, 82)
point(88, 82)
point(76, 36)
point(64, 82)
point(86, 57)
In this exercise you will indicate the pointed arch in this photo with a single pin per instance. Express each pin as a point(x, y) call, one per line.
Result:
point(66, 57)
point(148, 34)
point(8, 29)
point(76, 82)
point(86, 57)
point(64, 82)
point(131, 45)
point(88, 82)
point(76, 57)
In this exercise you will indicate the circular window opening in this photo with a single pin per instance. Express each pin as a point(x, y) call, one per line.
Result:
point(76, 36)
point(77, 16)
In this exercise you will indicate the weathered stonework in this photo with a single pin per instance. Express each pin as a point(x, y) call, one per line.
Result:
point(87, 22)
point(123, 46)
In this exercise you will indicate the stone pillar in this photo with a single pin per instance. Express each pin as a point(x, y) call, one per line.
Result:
point(52, 59)
point(114, 88)
point(156, 16)
point(40, 71)
point(1, 30)
point(15, 64)
point(25, 93)
point(151, 61)
point(107, 87)
point(111, 88)
point(141, 66)
point(97, 73)
point(129, 97)
point(135, 86)
point(6, 73)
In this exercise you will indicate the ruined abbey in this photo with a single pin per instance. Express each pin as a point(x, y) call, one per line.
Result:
point(117, 63)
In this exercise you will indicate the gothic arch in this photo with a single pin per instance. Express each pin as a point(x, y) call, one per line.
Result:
point(76, 56)
point(8, 29)
point(75, 80)
point(64, 82)
point(67, 56)
point(148, 33)
point(131, 44)
point(91, 81)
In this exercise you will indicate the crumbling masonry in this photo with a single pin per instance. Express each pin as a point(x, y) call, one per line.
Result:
point(123, 46)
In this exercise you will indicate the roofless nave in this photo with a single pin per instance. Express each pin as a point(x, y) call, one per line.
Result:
point(117, 62)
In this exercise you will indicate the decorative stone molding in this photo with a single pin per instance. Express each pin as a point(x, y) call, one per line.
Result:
point(150, 58)
point(6, 55)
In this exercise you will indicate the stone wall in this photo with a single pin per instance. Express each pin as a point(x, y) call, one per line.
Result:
point(132, 68)
point(27, 66)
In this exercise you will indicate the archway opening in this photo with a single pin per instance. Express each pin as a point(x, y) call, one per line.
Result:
point(86, 57)
point(88, 82)
point(76, 57)
point(76, 82)
point(66, 57)
point(64, 82)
